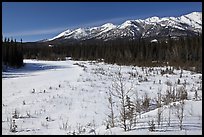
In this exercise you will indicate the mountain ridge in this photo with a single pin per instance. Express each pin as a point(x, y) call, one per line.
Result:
point(183, 25)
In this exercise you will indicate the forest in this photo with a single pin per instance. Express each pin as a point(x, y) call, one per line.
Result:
point(184, 52)
point(12, 53)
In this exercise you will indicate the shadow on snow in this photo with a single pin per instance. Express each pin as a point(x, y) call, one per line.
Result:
point(28, 68)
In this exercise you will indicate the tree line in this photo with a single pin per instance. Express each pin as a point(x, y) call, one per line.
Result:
point(12, 53)
point(183, 52)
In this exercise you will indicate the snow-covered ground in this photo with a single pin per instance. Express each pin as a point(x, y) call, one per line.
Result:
point(68, 97)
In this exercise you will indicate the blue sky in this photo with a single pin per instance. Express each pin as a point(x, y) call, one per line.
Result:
point(34, 21)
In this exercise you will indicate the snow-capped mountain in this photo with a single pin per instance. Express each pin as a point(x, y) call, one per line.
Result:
point(189, 24)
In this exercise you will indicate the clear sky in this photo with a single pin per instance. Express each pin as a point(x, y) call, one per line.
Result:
point(34, 21)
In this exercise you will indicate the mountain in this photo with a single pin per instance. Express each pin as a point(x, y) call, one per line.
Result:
point(190, 24)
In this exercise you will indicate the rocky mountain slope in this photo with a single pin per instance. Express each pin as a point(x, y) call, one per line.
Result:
point(190, 24)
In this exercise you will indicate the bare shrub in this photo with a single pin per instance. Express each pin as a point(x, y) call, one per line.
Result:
point(180, 113)
point(121, 91)
point(15, 114)
point(65, 126)
point(168, 83)
point(111, 117)
point(13, 126)
point(146, 102)
point(151, 125)
point(181, 93)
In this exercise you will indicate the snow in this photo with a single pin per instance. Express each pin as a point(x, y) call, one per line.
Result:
point(108, 25)
point(94, 28)
point(195, 16)
point(50, 45)
point(60, 35)
point(73, 95)
point(128, 23)
point(179, 27)
point(154, 40)
point(153, 19)
point(77, 34)
point(79, 30)
point(164, 19)
point(193, 20)
point(125, 24)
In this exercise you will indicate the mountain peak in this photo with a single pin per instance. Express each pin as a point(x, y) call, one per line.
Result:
point(126, 24)
point(188, 24)
point(195, 13)
point(153, 19)
point(60, 35)
point(108, 25)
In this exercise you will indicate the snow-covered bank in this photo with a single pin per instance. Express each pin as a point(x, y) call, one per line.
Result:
point(67, 97)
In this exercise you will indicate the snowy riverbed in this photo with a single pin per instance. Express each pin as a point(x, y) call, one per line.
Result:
point(68, 97)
